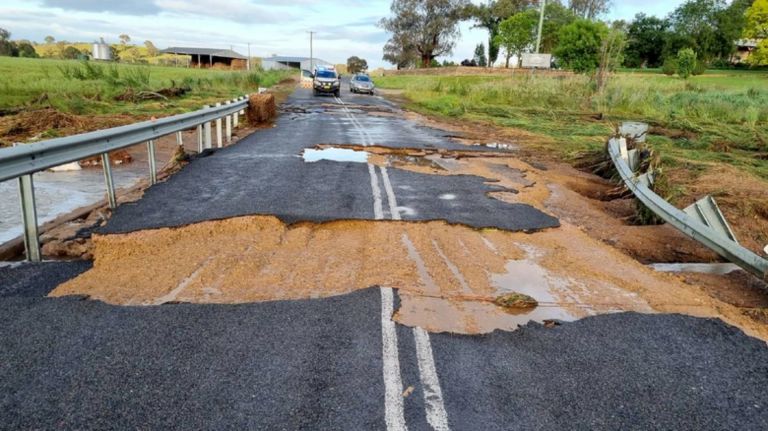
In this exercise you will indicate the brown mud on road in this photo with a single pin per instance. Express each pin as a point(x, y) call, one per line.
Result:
point(448, 276)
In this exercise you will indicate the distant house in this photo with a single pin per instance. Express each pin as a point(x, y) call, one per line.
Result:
point(211, 57)
point(744, 48)
point(288, 63)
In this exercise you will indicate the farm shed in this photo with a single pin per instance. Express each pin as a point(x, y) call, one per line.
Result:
point(291, 63)
point(211, 57)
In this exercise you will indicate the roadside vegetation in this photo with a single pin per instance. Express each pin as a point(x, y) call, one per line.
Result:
point(88, 87)
point(717, 118)
point(41, 98)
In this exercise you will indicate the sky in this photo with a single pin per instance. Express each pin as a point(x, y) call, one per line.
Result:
point(343, 28)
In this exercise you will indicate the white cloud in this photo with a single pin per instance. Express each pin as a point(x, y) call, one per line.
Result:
point(344, 28)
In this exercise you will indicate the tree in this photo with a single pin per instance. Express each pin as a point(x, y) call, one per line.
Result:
point(25, 49)
point(645, 41)
point(590, 9)
point(686, 62)
point(356, 64)
point(708, 27)
point(429, 27)
point(50, 39)
point(124, 39)
point(490, 15)
point(611, 54)
point(7, 47)
point(399, 50)
point(579, 45)
point(480, 58)
point(517, 33)
point(152, 50)
point(556, 16)
point(756, 27)
point(70, 53)
point(731, 23)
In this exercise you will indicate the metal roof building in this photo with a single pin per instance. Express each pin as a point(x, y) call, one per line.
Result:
point(287, 63)
point(210, 57)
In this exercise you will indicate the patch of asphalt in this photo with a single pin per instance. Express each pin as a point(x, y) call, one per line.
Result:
point(264, 174)
point(70, 363)
point(78, 364)
point(24, 279)
point(609, 372)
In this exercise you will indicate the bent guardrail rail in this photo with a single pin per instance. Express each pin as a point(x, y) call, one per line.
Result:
point(23, 161)
point(686, 224)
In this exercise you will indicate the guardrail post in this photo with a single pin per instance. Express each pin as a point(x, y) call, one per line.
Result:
point(179, 139)
point(199, 138)
point(236, 116)
point(228, 124)
point(219, 140)
point(242, 111)
point(29, 217)
point(152, 162)
point(207, 132)
point(108, 180)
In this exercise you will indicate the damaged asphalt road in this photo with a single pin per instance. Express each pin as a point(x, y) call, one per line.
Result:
point(265, 174)
point(341, 362)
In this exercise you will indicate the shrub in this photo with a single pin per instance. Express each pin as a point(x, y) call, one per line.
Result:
point(686, 62)
point(579, 45)
point(700, 68)
point(669, 67)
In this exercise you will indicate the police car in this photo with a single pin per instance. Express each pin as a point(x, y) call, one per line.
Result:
point(325, 80)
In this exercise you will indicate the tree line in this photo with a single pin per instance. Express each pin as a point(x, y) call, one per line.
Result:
point(61, 49)
point(423, 30)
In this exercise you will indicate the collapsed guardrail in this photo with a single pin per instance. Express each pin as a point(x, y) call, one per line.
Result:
point(722, 243)
point(23, 161)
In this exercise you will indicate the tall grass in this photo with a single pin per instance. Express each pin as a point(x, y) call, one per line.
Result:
point(724, 117)
point(91, 87)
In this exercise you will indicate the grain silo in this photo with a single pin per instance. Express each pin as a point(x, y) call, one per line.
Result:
point(102, 51)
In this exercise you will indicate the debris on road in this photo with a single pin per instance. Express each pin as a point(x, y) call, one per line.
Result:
point(261, 108)
point(515, 301)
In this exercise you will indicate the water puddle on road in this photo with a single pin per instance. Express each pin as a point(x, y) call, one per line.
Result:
point(465, 312)
point(335, 154)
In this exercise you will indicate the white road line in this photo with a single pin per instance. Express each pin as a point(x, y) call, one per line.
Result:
point(433, 395)
point(452, 267)
point(394, 415)
point(393, 385)
point(390, 194)
point(377, 207)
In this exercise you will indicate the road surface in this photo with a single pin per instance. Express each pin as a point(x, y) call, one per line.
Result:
point(341, 362)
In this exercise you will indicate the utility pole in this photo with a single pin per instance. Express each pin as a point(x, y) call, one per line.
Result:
point(248, 64)
point(541, 24)
point(311, 52)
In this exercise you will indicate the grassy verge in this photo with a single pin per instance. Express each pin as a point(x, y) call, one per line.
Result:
point(88, 88)
point(717, 118)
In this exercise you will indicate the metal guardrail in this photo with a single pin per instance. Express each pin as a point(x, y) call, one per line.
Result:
point(22, 161)
point(686, 224)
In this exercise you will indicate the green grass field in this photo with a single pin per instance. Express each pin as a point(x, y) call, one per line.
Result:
point(718, 117)
point(95, 88)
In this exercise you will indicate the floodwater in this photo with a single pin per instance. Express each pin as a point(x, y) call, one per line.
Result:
point(335, 154)
point(58, 193)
